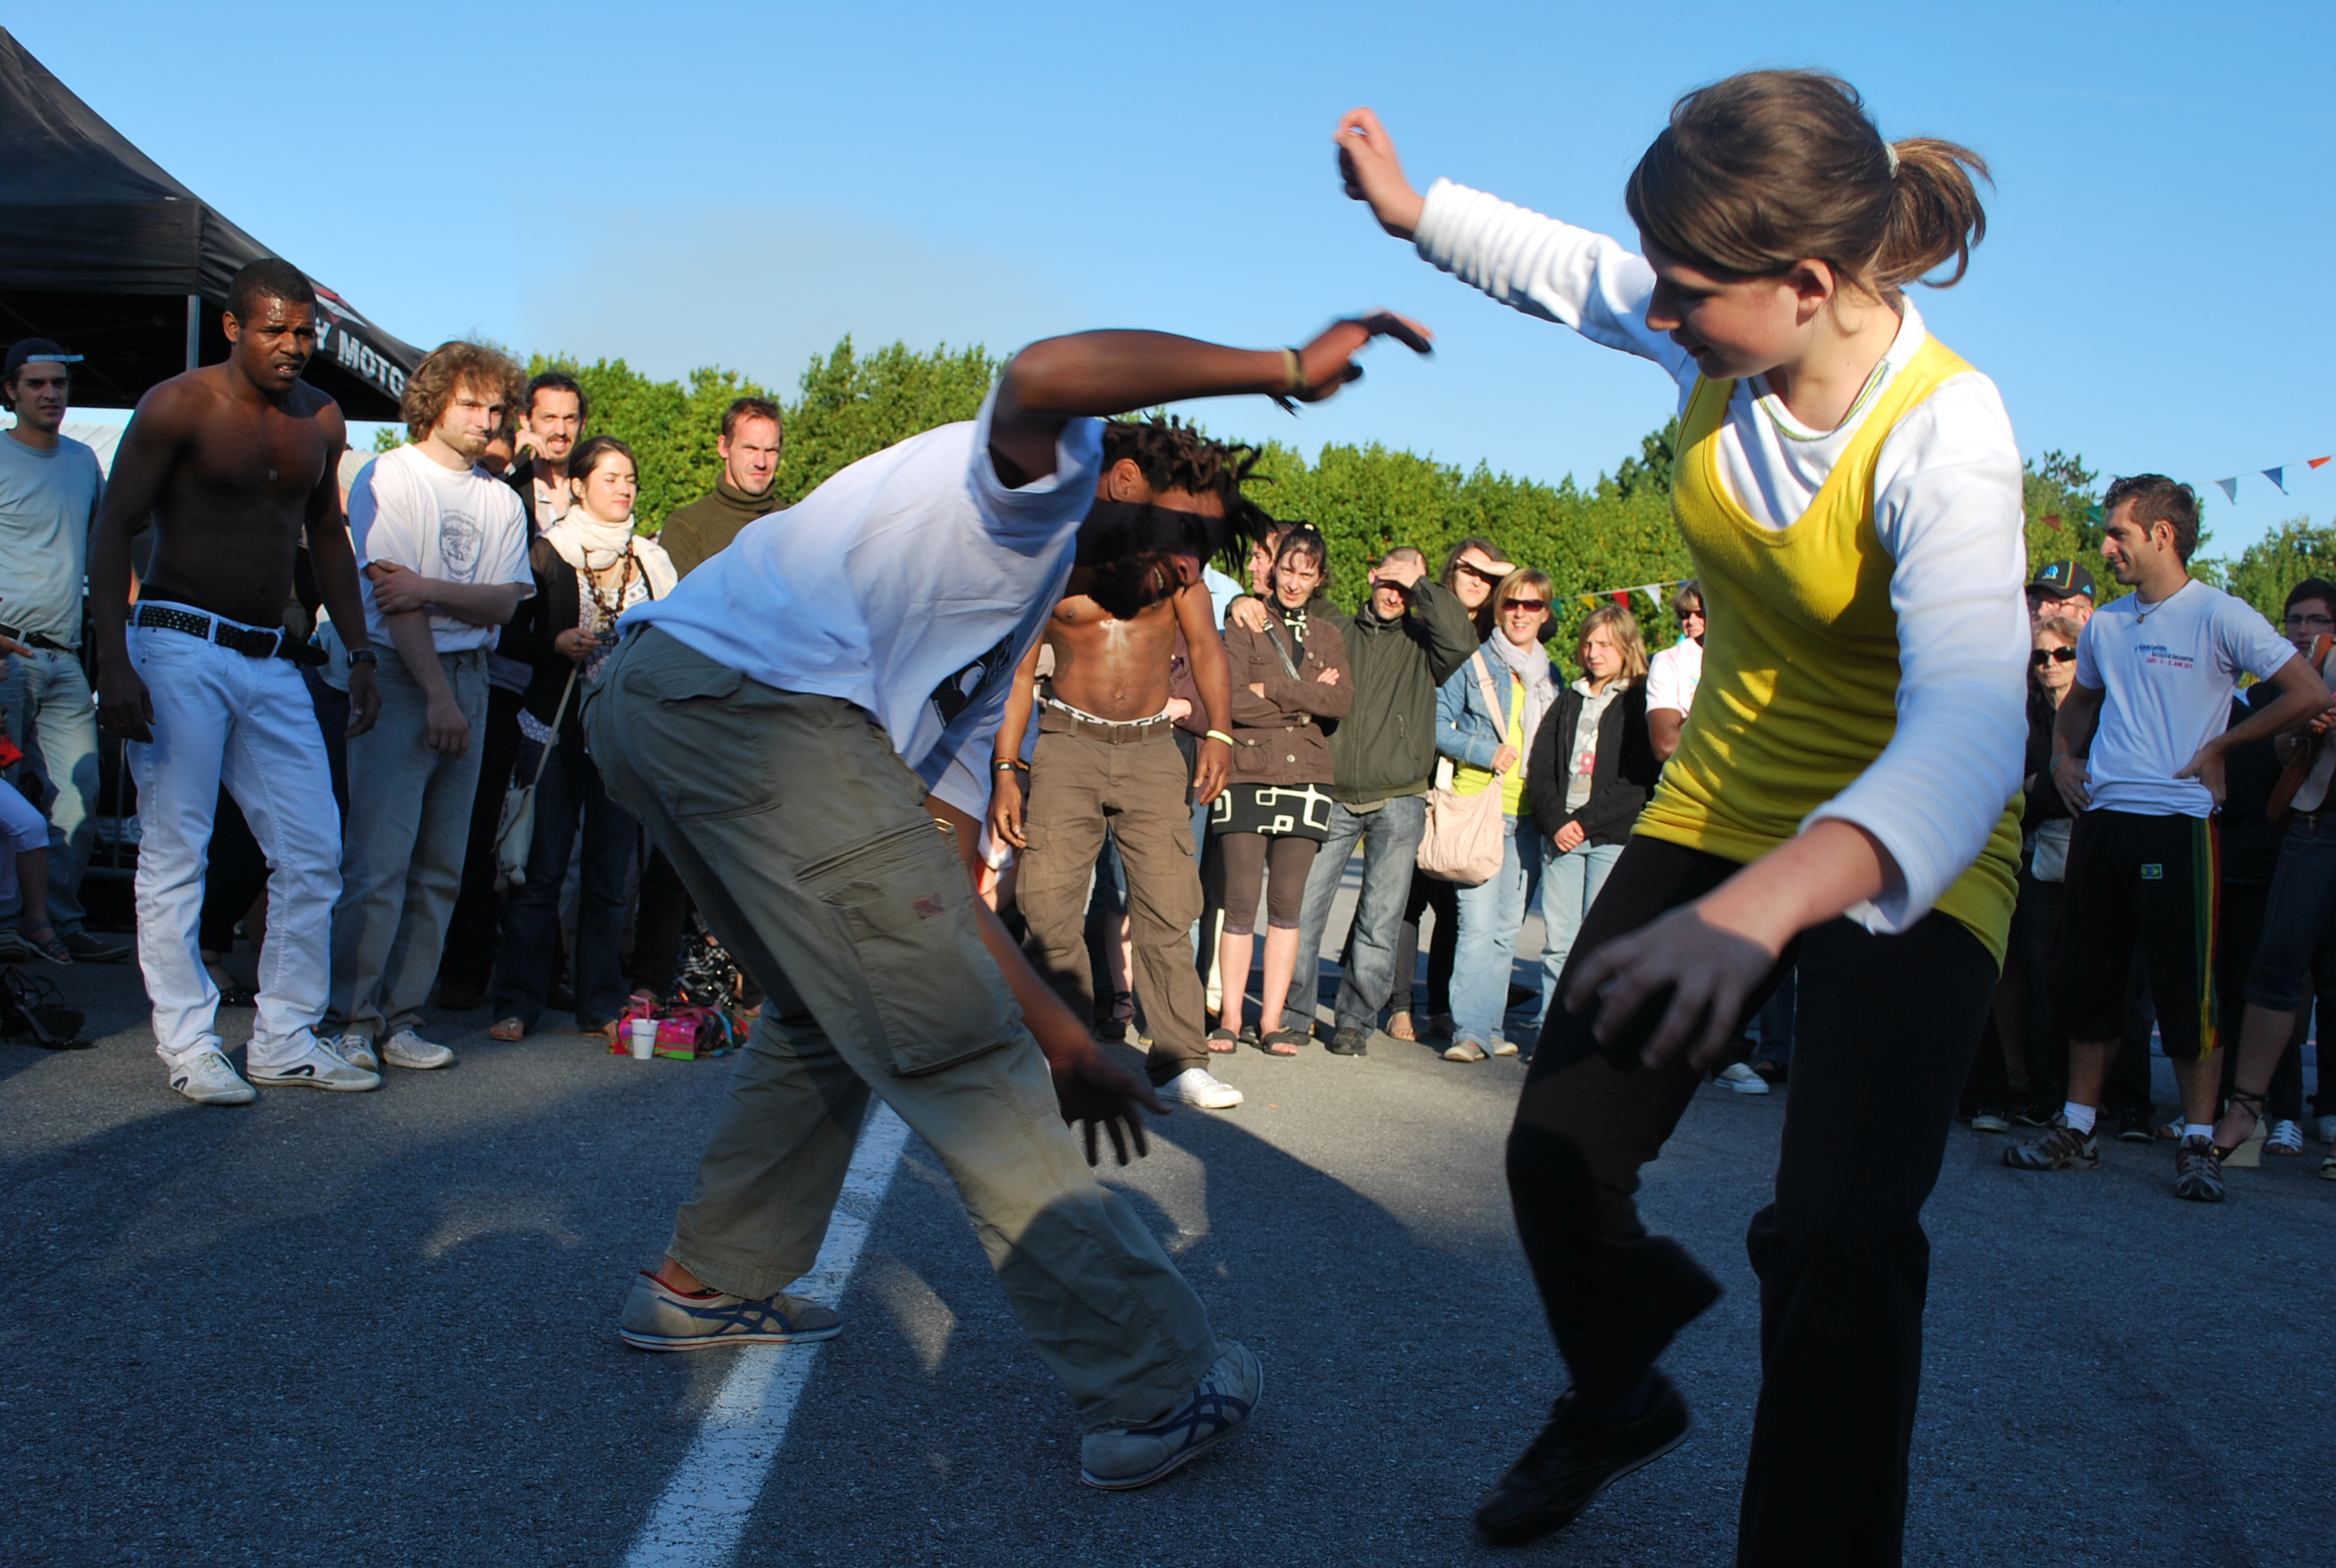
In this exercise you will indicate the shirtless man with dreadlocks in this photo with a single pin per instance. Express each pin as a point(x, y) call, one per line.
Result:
point(1107, 757)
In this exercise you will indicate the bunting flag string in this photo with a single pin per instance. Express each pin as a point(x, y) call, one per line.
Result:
point(2277, 475)
point(1622, 596)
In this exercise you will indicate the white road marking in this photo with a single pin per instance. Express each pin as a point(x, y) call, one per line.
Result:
point(706, 1505)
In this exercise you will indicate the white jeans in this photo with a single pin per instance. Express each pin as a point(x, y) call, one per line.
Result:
point(222, 717)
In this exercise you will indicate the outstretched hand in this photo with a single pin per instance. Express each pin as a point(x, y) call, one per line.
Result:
point(1326, 364)
point(1373, 174)
point(1092, 1089)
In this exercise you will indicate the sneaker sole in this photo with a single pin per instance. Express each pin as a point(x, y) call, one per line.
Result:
point(258, 1079)
point(1132, 1483)
point(2070, 1164)
point(640, 1341)
point(404, 1065)
point(229, 1098)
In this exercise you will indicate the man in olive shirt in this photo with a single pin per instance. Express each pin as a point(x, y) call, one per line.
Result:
point(752, 435)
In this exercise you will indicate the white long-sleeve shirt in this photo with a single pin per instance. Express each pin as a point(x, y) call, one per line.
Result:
point(1947, 509)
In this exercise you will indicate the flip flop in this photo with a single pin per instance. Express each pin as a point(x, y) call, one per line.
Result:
point(507, 1029)
point(1223, 1041)
point(1283, 1043)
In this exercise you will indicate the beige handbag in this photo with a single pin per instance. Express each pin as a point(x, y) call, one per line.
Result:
point(1463, 841)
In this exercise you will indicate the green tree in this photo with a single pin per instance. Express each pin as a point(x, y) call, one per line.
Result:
point(2275, 563)
point(853, 405)
point(670, 427)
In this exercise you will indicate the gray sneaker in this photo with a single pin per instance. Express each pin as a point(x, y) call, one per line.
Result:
point(353, 1048)
point(409, 1050)
point(2198, 1171)
point(208, 1078)
point(1127, 1457)
point(2059, 1147)
point(659, 1318)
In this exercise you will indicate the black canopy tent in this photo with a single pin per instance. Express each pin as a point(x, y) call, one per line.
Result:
point(104, 252)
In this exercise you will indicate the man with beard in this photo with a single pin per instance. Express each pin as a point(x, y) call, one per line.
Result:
point(1107, 758)
point(780, 722)
point(235, 463)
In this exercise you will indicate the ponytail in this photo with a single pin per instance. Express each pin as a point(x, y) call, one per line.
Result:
point(1770, 167)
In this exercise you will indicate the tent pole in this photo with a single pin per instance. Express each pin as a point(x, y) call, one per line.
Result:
point(194, 330)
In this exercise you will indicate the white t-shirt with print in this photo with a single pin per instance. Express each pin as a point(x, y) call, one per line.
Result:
point(910, 584)
point(1673, 675)
point(464, 527)
point(2169, 670)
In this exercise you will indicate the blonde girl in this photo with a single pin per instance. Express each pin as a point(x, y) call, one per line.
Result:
point(1850, 492)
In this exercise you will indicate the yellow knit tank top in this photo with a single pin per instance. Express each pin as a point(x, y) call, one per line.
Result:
point(1800, 664)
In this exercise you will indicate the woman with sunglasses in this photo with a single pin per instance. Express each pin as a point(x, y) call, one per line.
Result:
point(1486, 716)
point(1472, 572)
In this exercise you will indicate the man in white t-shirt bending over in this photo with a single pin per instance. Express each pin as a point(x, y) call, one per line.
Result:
point(1673, 673)
point(2137, 753)
point(443, 547)
point(779, 723)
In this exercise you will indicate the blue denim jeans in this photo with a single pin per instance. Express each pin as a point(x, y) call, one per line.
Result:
point(2303, 893)
point(51, 720)
point(568, 793)
point(1490, 914)
point(1569, 881)
point(1390, 838)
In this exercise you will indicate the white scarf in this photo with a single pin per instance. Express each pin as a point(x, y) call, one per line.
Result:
point(1529, 664)
point(589, 544)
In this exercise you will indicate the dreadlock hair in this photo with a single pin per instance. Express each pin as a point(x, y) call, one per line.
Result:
point(1173, 455)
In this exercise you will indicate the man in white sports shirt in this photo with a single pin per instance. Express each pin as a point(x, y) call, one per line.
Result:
point(2137, 754)
point(779, 723)
point(1674, 672)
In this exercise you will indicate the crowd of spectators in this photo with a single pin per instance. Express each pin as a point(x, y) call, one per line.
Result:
point(498, 546)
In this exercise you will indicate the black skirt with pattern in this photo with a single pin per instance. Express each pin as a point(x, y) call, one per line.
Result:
point(1279, 811)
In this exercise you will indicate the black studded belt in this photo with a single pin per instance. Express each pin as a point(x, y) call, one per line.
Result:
point(249, 641)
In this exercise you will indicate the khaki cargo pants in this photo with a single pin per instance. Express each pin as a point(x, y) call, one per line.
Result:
point(804, 839)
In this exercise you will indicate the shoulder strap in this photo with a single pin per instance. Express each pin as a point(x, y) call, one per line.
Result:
point(1492, 702)
point(557, 714)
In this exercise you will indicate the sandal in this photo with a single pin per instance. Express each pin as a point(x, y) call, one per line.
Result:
point(50, 947)
point(1222, 1041)
point(1283, 1043)
point(1399, 1026)
point(1248, 1036)
point(507, 1029)
point(2240, 1102)
point(2328, 1169)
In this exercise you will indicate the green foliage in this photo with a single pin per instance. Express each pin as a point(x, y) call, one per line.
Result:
point(2268, 568)
point(2063, 518)
point(851, 406)
point(389, 438)
point(670, 427)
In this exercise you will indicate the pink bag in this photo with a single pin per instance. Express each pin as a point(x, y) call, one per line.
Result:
point(1463, 841)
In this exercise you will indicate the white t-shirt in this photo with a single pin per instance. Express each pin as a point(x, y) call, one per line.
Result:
point(1946, 511)
point(48, 501)
point(909, 584)
point(462, 526)
point(2169, 669)
point(1673, 675)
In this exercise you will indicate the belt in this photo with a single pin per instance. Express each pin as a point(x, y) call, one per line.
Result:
point(248, 640)
point(1061, 717)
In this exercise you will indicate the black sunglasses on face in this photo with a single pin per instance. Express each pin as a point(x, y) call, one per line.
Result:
point(2044, 655)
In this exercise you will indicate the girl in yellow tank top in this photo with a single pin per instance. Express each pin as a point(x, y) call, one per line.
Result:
point(1844, 800)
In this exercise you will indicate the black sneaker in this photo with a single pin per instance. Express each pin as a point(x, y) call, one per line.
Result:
point(1574, 1460)
point(2133, 1126)
point(1349, 1041)
point(2036, 1114)
point(1990, 1119)
point(2198, 1171)
point(2060, 1148)
point(89, 948)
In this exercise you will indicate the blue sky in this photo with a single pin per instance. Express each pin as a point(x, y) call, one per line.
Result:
point(690, 184)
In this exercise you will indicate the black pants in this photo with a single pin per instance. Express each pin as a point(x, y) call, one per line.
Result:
point(2036, 938)
point(1428, 893)
point(471, 930)
point(1885, 1032)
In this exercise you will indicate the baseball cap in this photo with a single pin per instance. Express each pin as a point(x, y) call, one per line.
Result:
point(2061, 577)
point(24, 351)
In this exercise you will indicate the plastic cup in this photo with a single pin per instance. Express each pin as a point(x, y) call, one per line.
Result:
point(643, 1034)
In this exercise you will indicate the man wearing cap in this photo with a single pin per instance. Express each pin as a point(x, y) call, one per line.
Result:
point(49, 489)
point(2060, 588)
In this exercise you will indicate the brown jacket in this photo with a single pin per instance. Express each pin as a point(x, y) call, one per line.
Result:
point(1275, 737)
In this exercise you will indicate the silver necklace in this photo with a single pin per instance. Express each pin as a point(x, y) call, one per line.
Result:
point(2142, 612)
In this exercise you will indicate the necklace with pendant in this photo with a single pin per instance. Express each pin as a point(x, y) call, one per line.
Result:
point(2142, 612)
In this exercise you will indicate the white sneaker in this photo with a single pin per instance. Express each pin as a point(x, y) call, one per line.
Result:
point(354, 1049)
point(1743, 1080)
point(319, 1069)
point(409, 1050)
point(1502, 1047)
point(208, 1078)
point(1199, 1086)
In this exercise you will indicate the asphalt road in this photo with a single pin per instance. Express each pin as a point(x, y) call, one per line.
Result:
point(380, 1328)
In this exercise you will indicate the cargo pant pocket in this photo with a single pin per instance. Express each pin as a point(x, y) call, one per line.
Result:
point(937, 995)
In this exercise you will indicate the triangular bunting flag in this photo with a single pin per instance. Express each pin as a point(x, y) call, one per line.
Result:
point(2053, 523)
point(1622, 596)
point(1654, 592)
point(1589, 600)
point(2093, 512)
point(2230, 487)
point(2278, 476)
point(2316, 461)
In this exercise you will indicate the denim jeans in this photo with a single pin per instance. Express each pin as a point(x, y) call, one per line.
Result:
point(569, 792)
point(1390, 837)
point(2302, 893)
point(1569, 881)
point(1490, 914)
point(50, 718)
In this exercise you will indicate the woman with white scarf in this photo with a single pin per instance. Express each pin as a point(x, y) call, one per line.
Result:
point(589, 568)
point(1486, 743)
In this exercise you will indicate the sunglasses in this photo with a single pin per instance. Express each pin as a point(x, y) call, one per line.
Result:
point(1528, 606)
point(2044, 655)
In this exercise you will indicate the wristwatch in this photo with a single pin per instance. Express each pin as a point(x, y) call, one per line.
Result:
point(365, 656)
